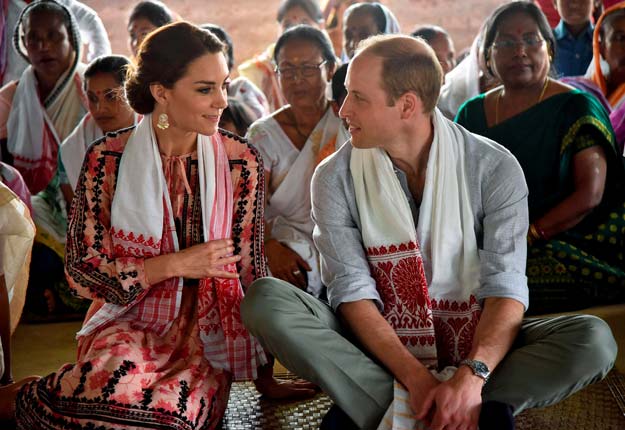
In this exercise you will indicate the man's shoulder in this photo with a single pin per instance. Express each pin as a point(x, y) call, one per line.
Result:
point(336, 166)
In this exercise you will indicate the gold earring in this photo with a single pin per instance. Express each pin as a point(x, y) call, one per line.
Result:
point(163, 121)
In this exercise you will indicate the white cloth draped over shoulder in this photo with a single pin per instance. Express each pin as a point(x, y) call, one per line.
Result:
point(288, 206)
point(413, 305)
point(461, 84)
point(74, 147)
point(142, 225)
point(35, 130)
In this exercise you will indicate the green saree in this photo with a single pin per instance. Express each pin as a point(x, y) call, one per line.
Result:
point(583, 266)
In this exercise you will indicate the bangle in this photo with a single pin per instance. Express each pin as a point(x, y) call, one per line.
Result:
point(536, 233)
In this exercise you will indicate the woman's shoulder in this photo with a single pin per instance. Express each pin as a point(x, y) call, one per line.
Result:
point(238, 148)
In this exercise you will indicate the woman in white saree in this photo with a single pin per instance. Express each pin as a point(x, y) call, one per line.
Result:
point(292, 142)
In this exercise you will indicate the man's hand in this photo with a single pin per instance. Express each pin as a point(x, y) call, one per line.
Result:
point(286, 264)
point(424, 383)
point(454, 404)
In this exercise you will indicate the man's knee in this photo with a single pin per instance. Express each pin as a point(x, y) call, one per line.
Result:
point(597, 344)
point(259, 308)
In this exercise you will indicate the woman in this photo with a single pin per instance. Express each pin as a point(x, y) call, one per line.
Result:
point(108, 111)
point(442, 44)
point(563, 140)
point(260, 69)
point(363, 20)
point(146, 16)
point(608, 45)
point(292, 141)
point(92, 32)
point(163, 339)
point(36, 114)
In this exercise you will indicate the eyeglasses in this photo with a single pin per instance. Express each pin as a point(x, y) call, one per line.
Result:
point(528, 42)
point(306, 71)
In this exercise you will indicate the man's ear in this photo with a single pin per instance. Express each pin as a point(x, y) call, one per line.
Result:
point(160, 93)
point(409, 104)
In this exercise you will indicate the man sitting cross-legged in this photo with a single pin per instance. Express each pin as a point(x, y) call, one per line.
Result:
point(421, 228)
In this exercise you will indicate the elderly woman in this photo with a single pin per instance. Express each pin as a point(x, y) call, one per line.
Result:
point(36, 114)
point(108, 111)
point(163, 339)
point(563, 140)
point(292, 141)
point(146, 16)
point(363, 20)
point(92, 32)
point(260, 69)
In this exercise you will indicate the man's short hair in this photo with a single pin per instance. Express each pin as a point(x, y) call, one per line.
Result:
point(408, 64)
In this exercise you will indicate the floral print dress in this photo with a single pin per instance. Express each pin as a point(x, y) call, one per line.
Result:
point(126, 378)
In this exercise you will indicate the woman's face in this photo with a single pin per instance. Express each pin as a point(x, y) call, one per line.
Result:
point(295, 16)
point(195, 102)
point(613, 49)
point(302, 77)
point(47, 44)
point(138, 29)
point(358, 26)
point(519, 54)
point(107, 104)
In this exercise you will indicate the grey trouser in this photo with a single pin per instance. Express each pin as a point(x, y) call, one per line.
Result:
point(551, 359)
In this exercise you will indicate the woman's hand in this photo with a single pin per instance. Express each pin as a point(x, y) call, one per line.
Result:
point(206, 260)
point(286, 264)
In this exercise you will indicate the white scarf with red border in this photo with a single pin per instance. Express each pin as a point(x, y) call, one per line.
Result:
point(434, 318)
point(140, 211)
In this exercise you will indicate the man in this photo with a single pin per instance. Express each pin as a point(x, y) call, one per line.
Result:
point(421, 227)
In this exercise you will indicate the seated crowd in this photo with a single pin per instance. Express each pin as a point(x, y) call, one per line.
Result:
point(370, 210)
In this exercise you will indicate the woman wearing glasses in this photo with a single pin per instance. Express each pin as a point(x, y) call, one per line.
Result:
point(563, 139)
point(292, 141)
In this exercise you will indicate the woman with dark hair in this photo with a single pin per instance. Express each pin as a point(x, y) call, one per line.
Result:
point(260, 69)
point(564, 142)
point(108, 111)
point(292, 141)
point(36, 114)
point(237, 117)
point(165, 262)
point(146, 16)
point(252, 100)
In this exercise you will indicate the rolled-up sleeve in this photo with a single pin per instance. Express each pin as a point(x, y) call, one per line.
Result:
point(344, 267)
point(503, 252)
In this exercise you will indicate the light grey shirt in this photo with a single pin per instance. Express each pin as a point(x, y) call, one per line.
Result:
point(498, 195)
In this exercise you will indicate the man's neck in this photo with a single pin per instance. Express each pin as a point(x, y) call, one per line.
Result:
point(410, 151)
point(576, 30)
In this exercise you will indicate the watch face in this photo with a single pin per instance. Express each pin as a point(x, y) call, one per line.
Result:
point(480, 367)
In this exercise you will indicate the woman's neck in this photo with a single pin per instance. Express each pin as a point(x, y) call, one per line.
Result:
point(308, 116)
point(45, 84)
point(173, 141)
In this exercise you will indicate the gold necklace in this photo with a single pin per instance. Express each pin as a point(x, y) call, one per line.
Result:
point(540, 99)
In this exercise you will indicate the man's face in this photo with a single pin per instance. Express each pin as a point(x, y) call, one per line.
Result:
point(371, 121)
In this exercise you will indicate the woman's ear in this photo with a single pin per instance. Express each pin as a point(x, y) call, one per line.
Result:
point(160, 93)
point(330, 71)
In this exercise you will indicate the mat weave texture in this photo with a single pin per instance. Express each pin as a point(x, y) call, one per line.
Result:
point(594, 408)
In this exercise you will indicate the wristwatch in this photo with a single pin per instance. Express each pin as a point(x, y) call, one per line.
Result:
point(479, 368)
